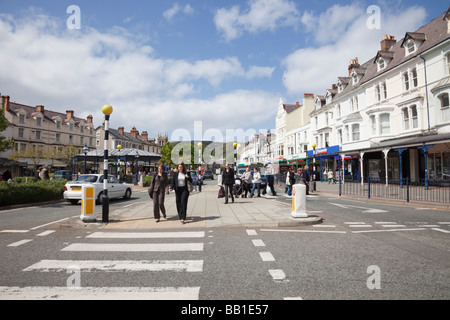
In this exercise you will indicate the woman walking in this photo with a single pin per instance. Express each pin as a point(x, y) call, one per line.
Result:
point(228, 181)
point(180, 180)
point(157, 192)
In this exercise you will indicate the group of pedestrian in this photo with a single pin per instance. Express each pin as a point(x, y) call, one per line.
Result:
point(304, 178)
point(179, 183)
point(250, 183)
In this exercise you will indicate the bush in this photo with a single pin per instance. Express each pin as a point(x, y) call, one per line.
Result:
point(147, 181)
point(31, 192)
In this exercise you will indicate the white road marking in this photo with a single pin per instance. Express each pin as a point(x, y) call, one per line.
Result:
point(251, 232)
point(387, 230)
point(19, 243)
point(393, 226)
point(324, 226)
point(428, 226)
point(304, 231)
point(134, 247)
point(146, 235)
point(277, 274)
point(47, 224)
point(45, 233)
point(117, 265)
point(293, 298)
point(266, 256)
point(90, 293)
point(359, 225)
point(354, 223)
point(14, 231)
point(258, 243)
point(441, 230)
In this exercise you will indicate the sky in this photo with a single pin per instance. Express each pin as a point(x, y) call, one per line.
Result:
point(216, 66)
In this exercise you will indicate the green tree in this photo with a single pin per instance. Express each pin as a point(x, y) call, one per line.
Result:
point(5, 144)
point(166, 154)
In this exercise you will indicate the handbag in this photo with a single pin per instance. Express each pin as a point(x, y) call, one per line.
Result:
point(221, 193)
point(190, 187)
point(150, 192)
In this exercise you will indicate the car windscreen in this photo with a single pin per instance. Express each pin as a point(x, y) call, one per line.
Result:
point(87, 178)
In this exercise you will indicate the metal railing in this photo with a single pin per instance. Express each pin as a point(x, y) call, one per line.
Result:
point(436, 191)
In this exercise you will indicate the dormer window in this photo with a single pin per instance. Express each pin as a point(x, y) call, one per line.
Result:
point(410, 46)
point(381, 64)
point(355, 78)
point(340, 87)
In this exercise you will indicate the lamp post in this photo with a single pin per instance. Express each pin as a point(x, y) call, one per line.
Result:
point(235, 156)
point(136, 176)
point(107, 111)
point(199, 155)
point(85, 151)
point(119, 147)
point(314, 166)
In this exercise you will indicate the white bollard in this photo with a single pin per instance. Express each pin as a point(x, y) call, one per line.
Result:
point(299, 201)
point(88, 203)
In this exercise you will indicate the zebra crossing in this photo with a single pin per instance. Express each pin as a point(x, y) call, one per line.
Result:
point(101, 244)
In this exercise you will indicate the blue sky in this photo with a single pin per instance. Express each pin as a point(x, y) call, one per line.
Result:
point(163, 65)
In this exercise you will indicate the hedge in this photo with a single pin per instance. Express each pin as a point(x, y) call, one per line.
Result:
point(31, 192)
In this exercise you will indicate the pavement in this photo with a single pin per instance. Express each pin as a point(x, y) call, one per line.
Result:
point(205, 210)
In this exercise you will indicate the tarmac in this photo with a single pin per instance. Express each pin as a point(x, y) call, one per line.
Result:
point(206, 210)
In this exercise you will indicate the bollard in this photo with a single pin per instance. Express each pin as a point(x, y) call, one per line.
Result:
point(299, 201)
point(88, 203)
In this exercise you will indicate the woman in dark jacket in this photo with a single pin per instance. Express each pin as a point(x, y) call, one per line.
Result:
point(179, 183)
point(228, 182)
point(157, 192)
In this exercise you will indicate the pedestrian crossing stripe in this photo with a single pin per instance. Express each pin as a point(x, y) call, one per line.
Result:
point(146, 235)
point(100, 293)
point(117, 265)
point(134, 247)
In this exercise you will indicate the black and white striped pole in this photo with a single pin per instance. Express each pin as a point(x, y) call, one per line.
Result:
point(107, 110)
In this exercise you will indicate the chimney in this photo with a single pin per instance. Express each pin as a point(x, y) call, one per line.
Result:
point(145, 135)
point(134, 132)
point(5, 100)
point(121, 130)
point(387, 42)
point(334, 86)
point(353, 64)
point(90, 118)
point(69, 114)
point(40, 109)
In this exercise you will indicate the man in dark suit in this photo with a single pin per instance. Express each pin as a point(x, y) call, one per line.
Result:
point(157, 192)
point(228, 182)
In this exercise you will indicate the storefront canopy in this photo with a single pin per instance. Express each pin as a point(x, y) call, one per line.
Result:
point(127, 155)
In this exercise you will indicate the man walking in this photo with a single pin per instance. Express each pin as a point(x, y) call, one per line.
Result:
point(304, 177)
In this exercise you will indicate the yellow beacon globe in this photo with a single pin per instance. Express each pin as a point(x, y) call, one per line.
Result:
point(107, 109)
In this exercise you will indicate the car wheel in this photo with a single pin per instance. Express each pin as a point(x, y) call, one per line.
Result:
point(74, 202)
point(127, 194)
point(100, 198)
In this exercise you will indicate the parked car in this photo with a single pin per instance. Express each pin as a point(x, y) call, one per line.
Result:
point(195, 177)
point(208, 174)
point(116, 189)
point(63, 174)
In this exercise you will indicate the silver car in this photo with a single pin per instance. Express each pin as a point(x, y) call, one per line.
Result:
point(116, 189)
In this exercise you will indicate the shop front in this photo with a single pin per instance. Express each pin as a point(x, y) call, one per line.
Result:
point(321, 160)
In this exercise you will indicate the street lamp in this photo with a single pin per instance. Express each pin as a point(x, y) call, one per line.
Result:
point(107, 111)
point(314, 166)
point(85, 151)
point(199, 154)
point(119, 147)
point(235, 155)
point(136, 176)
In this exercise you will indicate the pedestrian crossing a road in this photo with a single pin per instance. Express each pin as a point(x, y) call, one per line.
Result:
point(81, 250)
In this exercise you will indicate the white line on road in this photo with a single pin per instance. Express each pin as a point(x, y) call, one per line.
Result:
point(90, 293)
point(387, 230)
point(393, 226)
point(14, 231)
point(19, 243)
point(47, 224)
point(277, 274)
point(266, 256)
point(146, 235)
point(359, 225)
point(324, 226)
point(134, 247)
point(441, 230)
point(251, 232)
point(117, 265)
point(45, 233)
point(258, 243)
point(304, 231)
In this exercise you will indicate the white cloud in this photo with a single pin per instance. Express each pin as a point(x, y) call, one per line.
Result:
point(261, 15)
point(169, 14)
point(44, 63)
point(341, 34)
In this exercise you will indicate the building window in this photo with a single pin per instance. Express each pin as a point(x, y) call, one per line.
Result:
point(340, 136)
point(71, 139)
point(447, 56)
point(21, 131)
point(355, 78)
point(22, 118)
point(406, 81)
point(38, 135)
point(384, 88)
point(338, 108)
point(71, 127)
point(385, 126)
point(58, 137)
point(415, 82)
point(410, 46)
point(378, 92)
point(381, 64)
point(355, 132)
point(373, 123)
point(347, 134)
point(414, 117)
point(38, 122)
point(82, 129)
point(405, 118)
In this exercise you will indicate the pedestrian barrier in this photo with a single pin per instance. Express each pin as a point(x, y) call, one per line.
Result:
point(88, 203)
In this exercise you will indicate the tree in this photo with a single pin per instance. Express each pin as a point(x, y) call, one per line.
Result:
point(5, 144)
point(166, 154)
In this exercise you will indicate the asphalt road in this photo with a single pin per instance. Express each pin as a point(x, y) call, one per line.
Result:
point(360, 252)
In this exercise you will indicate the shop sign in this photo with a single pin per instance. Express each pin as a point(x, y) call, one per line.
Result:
point(322, 151)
